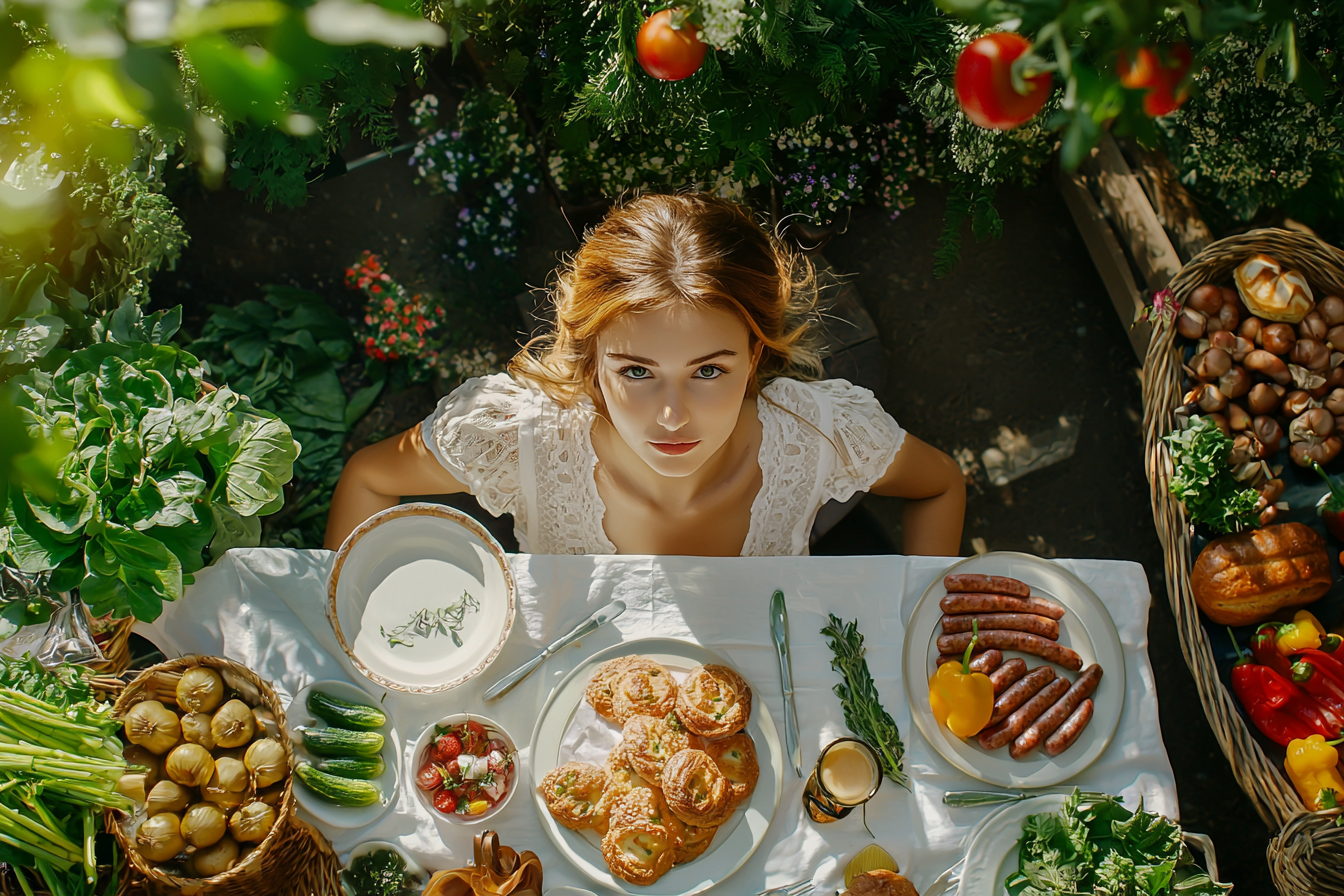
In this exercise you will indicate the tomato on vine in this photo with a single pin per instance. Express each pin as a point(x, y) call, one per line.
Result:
point(984, 82)
point(668, 47)
point(1160, 77)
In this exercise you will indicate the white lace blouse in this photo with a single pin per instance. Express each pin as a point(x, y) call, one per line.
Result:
point(519, 452)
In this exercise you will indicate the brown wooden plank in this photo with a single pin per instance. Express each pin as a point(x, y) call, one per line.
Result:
point(1131, 214)
point(1173, 204)
point(1108, 257)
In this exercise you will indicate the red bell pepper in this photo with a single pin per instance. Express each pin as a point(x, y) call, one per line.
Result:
point(1321, 685)
point(1325, 662)
point(1278, 707)
point(1266, 652)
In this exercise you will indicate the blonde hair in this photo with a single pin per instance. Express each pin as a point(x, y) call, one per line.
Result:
point(660, 249)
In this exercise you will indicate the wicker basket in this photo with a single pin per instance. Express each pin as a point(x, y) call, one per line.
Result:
point(1307, 842)
point(292, 859)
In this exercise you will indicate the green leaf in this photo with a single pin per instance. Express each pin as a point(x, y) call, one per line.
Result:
point(146, 575)
point(255, 464)
point(32, 546)
point(141, 504)
point(69, 509)
point(361, 401)
point(180, 491)
point(201, 424)
point(232, 531)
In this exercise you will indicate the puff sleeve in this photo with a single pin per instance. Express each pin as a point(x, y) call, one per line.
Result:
point(474, 434)
point(866, 439)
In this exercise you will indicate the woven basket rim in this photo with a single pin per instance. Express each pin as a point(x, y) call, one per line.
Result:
point(133, 694)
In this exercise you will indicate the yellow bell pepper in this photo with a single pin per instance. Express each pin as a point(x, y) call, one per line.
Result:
point(1304, 631)
point(1312, 765)
point(961, 699)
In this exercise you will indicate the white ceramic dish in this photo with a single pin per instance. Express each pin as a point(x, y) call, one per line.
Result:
point(1086, 628)
point(737, 839)
point(296, 714)
point(412, 558)
point(991, 853)
point(493, 729)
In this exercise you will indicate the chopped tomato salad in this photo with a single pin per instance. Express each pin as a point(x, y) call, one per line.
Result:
point(466, 769)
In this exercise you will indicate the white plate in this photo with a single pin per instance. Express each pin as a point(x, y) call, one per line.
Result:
point(415, 557)
point(296, 714)
point(991, 855)
point(1086, 628)
point(737, 838)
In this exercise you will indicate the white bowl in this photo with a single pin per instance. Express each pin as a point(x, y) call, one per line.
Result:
point(413, 558)
point(296, 714)
point(493, 729)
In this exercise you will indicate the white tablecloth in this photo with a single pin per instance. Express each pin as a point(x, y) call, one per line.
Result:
point(265, 608)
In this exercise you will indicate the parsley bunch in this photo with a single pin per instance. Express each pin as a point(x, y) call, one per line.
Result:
point(1203, 480)
point(1096, 845)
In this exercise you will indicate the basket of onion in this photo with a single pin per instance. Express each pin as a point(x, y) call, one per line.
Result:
point(214, 804)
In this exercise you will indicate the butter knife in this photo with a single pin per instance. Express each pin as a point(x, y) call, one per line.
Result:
point(779, 632)
point(583, 629)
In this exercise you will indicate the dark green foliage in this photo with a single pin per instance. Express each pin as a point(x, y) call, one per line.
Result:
point(283, 353)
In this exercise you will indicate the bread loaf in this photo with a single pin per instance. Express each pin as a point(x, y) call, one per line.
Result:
point(881, 883)
point(1245, 578)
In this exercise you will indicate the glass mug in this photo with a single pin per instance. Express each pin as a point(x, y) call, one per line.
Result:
point(847, 775)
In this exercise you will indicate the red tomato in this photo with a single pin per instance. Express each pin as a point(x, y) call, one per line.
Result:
point(447, 747)
point(1142, 71)
point(445, 802)
point(984, 82)
point(429, 778)
point(1161, 76)
point(668, 53)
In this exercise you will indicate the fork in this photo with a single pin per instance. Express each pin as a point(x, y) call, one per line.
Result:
point(801, 888)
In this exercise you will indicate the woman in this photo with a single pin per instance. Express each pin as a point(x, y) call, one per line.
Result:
point(665, 414)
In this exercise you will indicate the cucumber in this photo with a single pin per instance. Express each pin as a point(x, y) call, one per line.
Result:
point(339, 742)
point(352, 767)
point(343, 714)
point(341, 791)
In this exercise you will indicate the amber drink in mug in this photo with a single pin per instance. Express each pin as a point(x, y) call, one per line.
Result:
point(846, 776)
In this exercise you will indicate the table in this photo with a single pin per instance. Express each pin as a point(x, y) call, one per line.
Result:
point(265, 608)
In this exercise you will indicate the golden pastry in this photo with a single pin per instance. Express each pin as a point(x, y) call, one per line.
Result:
point(649, 743)
point(693, 843)
point(643, 688)
point(573, 794)
point(638, 847)
point(736, 758)
point(714, 701)
point(621, 780)
point(695, 789)
point(600, 687)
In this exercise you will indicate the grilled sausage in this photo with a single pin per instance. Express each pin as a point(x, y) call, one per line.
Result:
point(1007, 674)
point(1020, 641)
point(1007, 702)
point(978, 652)
point(974, 602)
point(965, 581)
point(1067, 733)
point(1005, 732)
point(1046, 723)
point(1021, 622)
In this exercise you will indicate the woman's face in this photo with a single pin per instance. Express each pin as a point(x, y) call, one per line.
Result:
point(674, 380)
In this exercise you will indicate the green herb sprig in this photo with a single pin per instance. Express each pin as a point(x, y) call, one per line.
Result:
point(447, 620)
point(1203, 481)
point(858, 695)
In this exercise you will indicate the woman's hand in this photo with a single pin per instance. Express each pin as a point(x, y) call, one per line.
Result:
point(935, 493)
point(378, 476)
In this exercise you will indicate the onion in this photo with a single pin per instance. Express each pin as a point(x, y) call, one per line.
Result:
point(166, 796)
point(265, 721)
point(227, 785)
point(132, 786)
point(200, 689)
point(215, 859)
point(196, 729)
point(159, 838)
point(153, 765)
point(252, 822)
point(204, 824)
point(151, 725)
point(233, 724)
point(189, 765)
point(266, 761)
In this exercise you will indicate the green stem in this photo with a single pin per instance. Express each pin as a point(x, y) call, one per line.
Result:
point(966, 657)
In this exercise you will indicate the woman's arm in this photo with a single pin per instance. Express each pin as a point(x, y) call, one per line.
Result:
point(935, 493)
point(377, 477)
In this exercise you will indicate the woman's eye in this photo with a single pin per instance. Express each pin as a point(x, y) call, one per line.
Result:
point(636, 373)
point(708, 372)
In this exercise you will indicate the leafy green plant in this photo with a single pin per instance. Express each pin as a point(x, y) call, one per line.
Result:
point(160, 471)
point(1203, 481)
point(283, 352)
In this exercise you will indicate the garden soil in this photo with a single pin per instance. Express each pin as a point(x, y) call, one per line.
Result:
point(1020, 334)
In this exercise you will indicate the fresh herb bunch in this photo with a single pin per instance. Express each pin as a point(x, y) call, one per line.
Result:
point(64, 686)
point(378, 873)
point(858, 697)
point(1203, 481)
point(1096, 845)
point(160, 470)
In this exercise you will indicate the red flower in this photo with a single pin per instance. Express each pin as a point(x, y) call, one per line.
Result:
point(375, 289)
point(391, 340)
